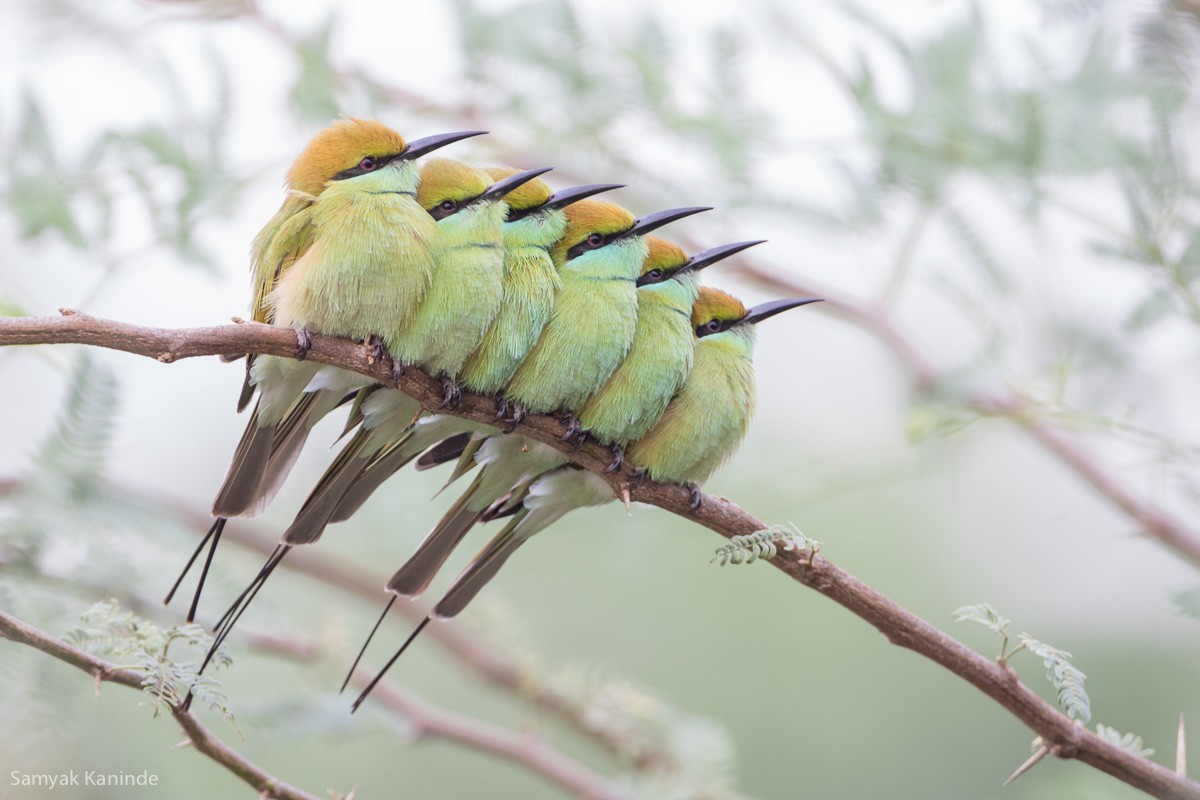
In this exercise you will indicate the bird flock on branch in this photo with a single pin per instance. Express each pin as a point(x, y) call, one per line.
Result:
point(553, 302)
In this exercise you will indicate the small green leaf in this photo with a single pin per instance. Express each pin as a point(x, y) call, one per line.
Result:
point(982, 614)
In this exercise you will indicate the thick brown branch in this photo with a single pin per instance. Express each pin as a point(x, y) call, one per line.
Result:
point(267, 785)
point(900, 626)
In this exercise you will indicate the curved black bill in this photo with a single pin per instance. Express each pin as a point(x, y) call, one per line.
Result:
point(706, 258)
point(564, 198)
point(765, 310)
point(506, 185)
point(419, 147)
point(652, 222)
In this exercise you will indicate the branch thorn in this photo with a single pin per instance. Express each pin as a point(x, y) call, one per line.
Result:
point(1181, 749)
point(1031, 762)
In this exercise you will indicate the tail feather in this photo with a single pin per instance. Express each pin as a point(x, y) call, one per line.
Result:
point(356, 411)
point(412, 578)
point(243, 482)
point(482, 569)
point(290, 436)
point(445, 450)
point(322, 501)
point(466, 461)
point(247, 385)
point(367, 480)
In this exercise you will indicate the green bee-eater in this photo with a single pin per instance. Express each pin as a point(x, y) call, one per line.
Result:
point(462, 299)
point(595, 311)
point(388, 439)
point(347, 255)
point(598, 284)
point(660, 358)
point(701, 427)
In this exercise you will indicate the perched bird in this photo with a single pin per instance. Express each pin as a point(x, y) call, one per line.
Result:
point(589, 334)
point(462, 300)
point(660, 358)
point(701, 427)
point(595, 312)
point(348, 254)
point(388, 439)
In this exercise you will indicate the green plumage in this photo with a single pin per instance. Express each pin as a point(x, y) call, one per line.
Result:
point(657, 365)
point(368, 263)
point(589, 332)
point(529, 286)
point(464, 296)
point(706, 421)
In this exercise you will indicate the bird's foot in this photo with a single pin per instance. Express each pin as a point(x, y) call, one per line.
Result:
point(377, 349)
point(501, 408)
point(514, 414)
point(574, 433)
point(637, 477)
point(451, 393)
point(618, 459)
point(398, 370)
point(697, 497)
point(303, 343)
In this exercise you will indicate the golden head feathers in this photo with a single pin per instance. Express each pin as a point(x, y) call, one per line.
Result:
point(339, 147)
point(527, 195)
point(445, 179)
point(587, 217)
point(714, 304)
point(663, 255)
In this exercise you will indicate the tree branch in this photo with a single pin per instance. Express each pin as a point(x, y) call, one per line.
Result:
point(267, 785)
point(901, 627)
point(428, 721)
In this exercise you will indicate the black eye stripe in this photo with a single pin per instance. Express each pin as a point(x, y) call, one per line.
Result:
point(358, 169)
point(586, 245)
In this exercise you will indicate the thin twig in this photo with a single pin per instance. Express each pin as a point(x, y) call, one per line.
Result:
point(900, 626)
point(267, 785)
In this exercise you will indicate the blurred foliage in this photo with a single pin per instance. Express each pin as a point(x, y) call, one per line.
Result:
point(110, 630)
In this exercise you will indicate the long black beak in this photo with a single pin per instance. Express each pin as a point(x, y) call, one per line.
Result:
point(506, 185)
point(652, 222)
point(764, 310)
point(706, 258)
point(419, 147)
point(564, 198)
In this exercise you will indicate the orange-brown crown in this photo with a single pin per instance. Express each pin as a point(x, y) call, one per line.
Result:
point(663, 255)
point(446, 179)
point(527, 195)
point(339, 147)
point(587, 217)
point(714, 304)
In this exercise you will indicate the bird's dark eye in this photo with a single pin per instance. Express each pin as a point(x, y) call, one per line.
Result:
point(448, 205)
point(595, 239)
point(713, 325)
point(367, 164)
point(655, 274)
